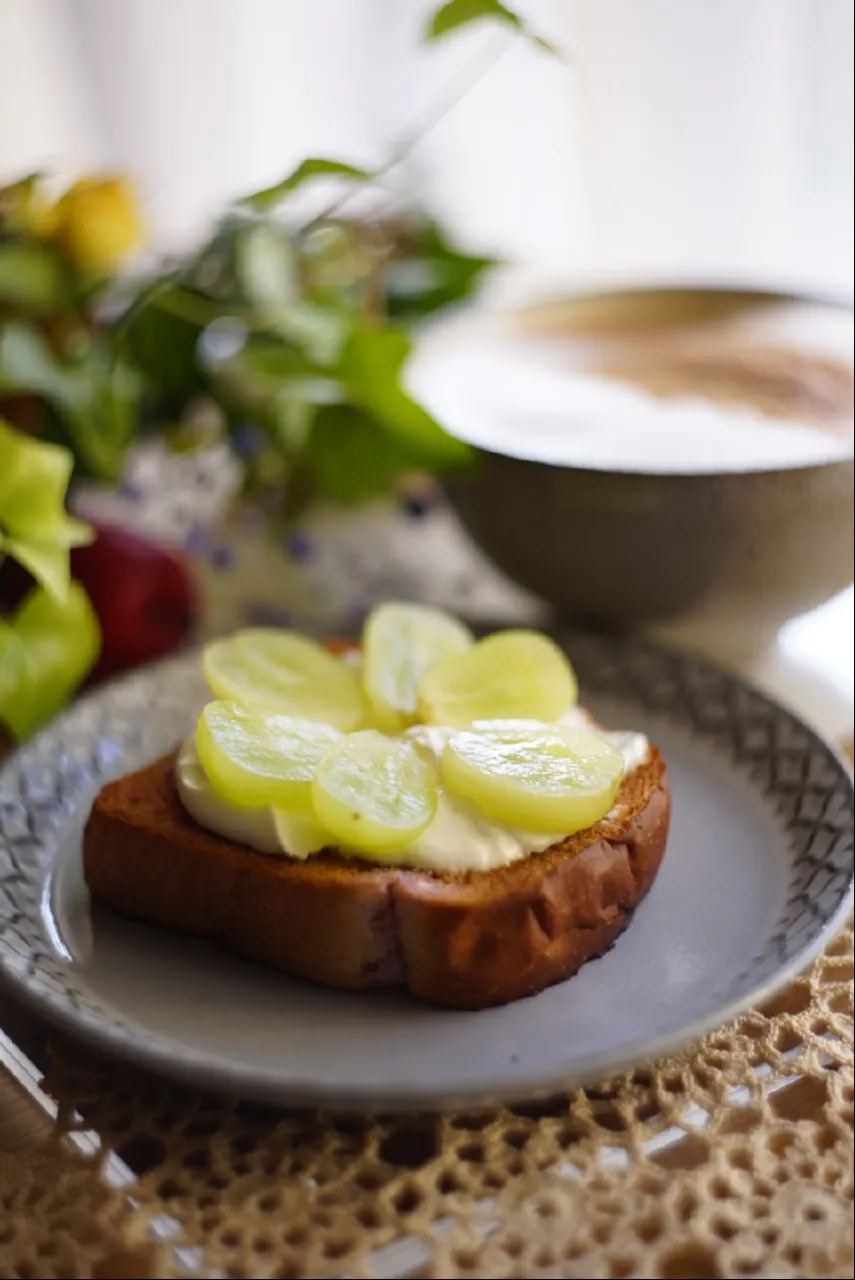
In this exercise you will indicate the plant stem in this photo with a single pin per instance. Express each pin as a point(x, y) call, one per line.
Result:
point(454, 91)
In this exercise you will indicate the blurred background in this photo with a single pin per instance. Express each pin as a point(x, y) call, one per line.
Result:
point(234, 436)
point(678, 136)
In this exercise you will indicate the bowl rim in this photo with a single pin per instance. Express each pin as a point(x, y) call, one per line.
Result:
point(757, 292)
point(745, 473)
point(613, 286)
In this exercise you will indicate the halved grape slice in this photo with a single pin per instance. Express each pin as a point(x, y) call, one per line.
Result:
point(300, 834)
point(536, 777)
point(401, 642)
point(510, 675)
point(287, 673)
point(376, 794)
point(256, 759)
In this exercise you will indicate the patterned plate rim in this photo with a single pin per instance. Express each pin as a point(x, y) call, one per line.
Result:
point(609, 667)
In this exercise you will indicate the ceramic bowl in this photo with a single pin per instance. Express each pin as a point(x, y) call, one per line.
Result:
point(727, 557)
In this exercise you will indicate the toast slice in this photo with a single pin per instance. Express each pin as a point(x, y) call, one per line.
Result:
point(468, 940)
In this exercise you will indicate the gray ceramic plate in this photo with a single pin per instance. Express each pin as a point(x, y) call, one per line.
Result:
point(757, 875)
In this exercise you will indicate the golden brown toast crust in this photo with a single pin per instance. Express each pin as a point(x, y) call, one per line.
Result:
point(468, 940)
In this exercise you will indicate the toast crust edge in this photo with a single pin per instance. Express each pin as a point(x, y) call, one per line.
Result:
point(468, 941)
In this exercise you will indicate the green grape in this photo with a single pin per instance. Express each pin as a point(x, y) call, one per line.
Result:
point(536, 777)
point(510, 675)
point(285, 672)
point(255, 759)
point(375, 794)
point(402, 642)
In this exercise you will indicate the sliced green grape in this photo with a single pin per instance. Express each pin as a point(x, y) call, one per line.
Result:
point(536, 777)
point(280, 671)
point(510, 675)
point(376, 794)
point(301, 835)
point(255, 759)
point(401, 643)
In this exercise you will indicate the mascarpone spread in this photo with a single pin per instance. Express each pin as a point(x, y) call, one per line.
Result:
point(459, 839)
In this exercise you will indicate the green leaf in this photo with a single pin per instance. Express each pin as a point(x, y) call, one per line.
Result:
point(306, 172)
point(318, 329)
point(31, 278)
point(21, 187)
point(33, 482)
point(26, 361)
point(163, 344)
point(115, 402)
point(45, 653)
point(96, 397)
point(351, 456)
point(266, 373)
point(267, 266)
point(188, 305)
point(290, 425)
point(460, 13)
point(371, 366)
point(335, 258)
point(212, 272)
point(430, 274)
point(11, 665)
point(274, 362)
point(37, 532)
point(47, 562)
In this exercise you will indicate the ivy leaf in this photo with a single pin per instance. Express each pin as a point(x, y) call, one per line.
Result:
point(31, 278)
point(162, 344)
point(351, 456)
point(318, 329)
point(34, 527)
point(267, 266)
point(267, 372)
point(460, 13)
point(11, 664)
point(115, 394)
point(33, 482)
point(26, 361)
point(429, 274)
point(46, 651)
point(306, 172)
point(46, 561)
point(371, 365)
point(96, 397)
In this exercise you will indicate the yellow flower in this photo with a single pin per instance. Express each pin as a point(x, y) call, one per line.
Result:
point(98, 223)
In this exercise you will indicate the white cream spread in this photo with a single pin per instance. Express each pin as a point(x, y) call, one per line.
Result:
point(459, 838)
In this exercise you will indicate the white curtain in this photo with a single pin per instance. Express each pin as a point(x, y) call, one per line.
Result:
point(679, 136)
point(47, 117)
point(718, 136)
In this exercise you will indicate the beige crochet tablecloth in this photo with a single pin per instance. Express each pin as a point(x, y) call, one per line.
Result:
point(734, 1159)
